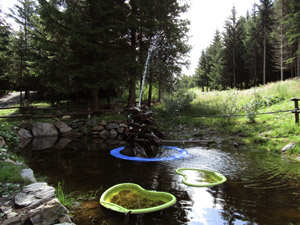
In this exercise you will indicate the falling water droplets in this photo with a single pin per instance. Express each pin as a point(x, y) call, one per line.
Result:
point(150, 50)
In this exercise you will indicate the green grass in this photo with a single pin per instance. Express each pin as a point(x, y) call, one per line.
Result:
point(65, 198)
point(269, 132)
point(218, 102)
point(10, 173)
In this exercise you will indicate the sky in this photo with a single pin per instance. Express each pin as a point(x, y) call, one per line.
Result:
point(205, 15)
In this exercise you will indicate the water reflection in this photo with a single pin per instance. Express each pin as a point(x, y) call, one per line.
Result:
point(261, 188)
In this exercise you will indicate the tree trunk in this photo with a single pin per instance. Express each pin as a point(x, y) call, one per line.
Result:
point(265, 59)
point(281, 45)
point(132, 80)
point(131, 96)
point(27, 94)
point(96, 99)
point(150, 90)
point(298, 60)
point(234, 72)
point(21, 98)
point(160, 89)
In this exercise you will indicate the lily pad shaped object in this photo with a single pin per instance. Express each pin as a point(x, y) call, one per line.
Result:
point(132, 198)
point(200, 178)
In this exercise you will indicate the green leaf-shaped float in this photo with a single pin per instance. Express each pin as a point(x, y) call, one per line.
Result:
point(132, 198)
point(200, 178)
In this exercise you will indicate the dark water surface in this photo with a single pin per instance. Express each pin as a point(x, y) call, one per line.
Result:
point(261, 188)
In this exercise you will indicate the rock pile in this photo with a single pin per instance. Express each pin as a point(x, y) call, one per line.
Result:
point(36, 205)
point(142, 137)
point(46, 135)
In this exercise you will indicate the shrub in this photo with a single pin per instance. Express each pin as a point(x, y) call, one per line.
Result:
point(178, 102)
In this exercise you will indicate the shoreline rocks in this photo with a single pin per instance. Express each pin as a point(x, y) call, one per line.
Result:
point(35, 204)
point(45, 135)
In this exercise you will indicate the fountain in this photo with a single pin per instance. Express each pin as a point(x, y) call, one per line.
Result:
point(153, 43)
point(143, 140)
point(142, 137)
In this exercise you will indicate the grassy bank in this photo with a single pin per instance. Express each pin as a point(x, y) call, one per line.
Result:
point(269, 132)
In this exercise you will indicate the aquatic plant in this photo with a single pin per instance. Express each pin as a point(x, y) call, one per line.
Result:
point(133, 200)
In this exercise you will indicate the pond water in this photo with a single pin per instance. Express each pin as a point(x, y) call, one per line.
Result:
point(261, 188)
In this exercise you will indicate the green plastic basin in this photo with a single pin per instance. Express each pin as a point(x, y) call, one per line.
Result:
point(107, 199)
point(200, 178)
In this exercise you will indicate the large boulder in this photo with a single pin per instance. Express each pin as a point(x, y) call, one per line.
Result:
point(62, 127)
point(104, 134)
point(110, 126)
point(27, 174)
point(113, 134)
point(98, 128)
point(49, 213)
point(24, 134)
point(35, 205)
point(34, 194)
point(43, 130)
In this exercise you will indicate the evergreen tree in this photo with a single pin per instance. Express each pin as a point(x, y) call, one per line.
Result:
point(282, 47)
point(148, 19)
point(4, 54)
point(252, 47)
point(216, 55)
point(234, 49)
point(202, 71)
point(22, 48)
point(266, 13)
point(292, 21)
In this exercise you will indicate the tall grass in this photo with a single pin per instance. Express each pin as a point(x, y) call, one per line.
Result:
point(243, 101)
point(10, 173)
point(264, 131)
point(65, 198)
point(270, 131)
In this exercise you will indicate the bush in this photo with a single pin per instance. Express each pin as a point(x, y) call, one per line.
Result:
point(178, 102)
point(229, 107)
point(259, 102)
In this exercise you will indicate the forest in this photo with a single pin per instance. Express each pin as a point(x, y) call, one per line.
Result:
point(96, 49)
point(261, 47)
point(93, 49)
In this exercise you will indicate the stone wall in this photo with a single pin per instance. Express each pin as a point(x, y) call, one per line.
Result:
point(47, 135)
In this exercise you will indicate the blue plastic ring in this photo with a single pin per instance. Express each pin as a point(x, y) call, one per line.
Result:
point(181, 154)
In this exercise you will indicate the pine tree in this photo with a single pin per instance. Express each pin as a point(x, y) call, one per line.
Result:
point(234, 49)
point(252, 47)
point(203, 70)
point(23, 13)
point(266, 12)
point(292, 21)
point(148, 19)
point(4, 54)
point(216, 55)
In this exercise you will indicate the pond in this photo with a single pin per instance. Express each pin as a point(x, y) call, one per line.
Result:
point(261, 188)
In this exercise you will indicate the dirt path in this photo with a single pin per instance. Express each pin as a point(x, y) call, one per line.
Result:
point(10, 99)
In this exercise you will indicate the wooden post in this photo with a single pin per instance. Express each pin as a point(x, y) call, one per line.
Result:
point(296, 110)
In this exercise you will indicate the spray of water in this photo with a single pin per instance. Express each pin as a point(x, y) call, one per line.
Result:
point(150, 50)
